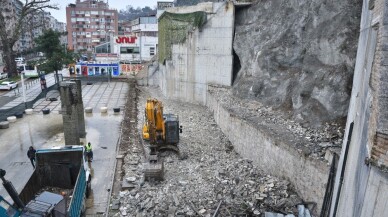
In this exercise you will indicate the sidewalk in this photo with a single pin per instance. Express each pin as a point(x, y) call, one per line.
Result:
point(33, 89)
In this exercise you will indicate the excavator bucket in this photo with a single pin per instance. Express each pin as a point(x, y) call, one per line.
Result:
point(154, 169)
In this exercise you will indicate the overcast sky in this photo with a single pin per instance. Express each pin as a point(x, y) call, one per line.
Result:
point(60, 14)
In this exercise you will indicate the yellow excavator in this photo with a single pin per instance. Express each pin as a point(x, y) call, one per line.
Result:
point(162, 132)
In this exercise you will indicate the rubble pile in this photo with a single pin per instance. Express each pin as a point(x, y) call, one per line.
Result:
point(207, 177)
point(66, 193)
point(317, 140)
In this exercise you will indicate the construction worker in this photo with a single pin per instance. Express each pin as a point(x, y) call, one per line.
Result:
point(89, 152)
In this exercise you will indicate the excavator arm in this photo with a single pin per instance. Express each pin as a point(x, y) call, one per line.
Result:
point(154, 127)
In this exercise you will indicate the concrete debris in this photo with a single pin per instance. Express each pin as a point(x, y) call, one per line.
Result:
point(131, 179)
point(123, 211)
point(303, 212)
point(271, 214)
point(115, 204)
point(202, 211)
point(310, 141)
point(211, 172)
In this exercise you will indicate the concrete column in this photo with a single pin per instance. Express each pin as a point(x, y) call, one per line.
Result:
point(80, 109)
point(68, 91)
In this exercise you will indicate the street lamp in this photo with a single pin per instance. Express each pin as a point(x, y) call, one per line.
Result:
point(23, 89)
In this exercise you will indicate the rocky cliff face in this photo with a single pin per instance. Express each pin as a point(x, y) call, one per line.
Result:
point(298, 56)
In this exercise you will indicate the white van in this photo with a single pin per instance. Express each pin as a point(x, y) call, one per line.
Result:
point(29, 71)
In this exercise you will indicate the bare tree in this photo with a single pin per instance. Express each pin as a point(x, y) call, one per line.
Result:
point(10, 34)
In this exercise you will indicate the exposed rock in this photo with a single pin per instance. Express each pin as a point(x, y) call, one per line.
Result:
point(301, 62)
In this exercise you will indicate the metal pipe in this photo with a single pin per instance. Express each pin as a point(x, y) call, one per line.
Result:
point(11, 190)
point(218, 207)
point(343, 168)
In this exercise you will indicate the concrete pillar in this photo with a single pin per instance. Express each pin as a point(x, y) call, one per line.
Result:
point(68, 91)
point(80, 109)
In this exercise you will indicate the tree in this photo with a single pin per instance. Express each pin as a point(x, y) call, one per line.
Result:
point(10, 34)
point(57, 54)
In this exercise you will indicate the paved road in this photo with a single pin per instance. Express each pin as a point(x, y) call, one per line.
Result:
point(32, 89)
point(43, 131)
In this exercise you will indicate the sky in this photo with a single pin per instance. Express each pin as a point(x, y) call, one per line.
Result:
point(60, 14)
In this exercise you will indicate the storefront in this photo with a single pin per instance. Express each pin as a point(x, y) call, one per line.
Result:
point(95, 69)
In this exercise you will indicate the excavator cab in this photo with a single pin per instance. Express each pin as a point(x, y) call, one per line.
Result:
point(171, 125)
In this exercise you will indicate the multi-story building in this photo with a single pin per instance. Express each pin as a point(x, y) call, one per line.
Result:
point(11, 10)
point(90, 23)
point(42, 21)
point(34, 26)
point(138, 44)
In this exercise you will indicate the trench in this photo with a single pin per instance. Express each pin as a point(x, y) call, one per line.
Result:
point(129, 135)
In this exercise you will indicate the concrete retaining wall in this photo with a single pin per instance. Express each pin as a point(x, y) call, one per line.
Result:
point(308, 176)
point(205, 57)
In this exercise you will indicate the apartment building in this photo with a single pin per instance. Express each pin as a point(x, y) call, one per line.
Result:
point(37, 23)
point(90, 23)
point(42, 21)
point(11, 10)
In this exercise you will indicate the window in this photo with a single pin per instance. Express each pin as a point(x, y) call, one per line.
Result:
point(130, 50)
point(152, 51)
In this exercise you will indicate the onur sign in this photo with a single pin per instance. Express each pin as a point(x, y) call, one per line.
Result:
point(126, 40)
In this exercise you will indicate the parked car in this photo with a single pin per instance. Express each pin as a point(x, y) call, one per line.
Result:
point(3, 75)
point(8, 85)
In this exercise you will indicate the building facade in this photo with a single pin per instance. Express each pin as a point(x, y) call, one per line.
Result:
point(35, 24)
point(11, 10)
point(90, 23)
point(42, 21)
point(138, 44)
point(361, 184)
